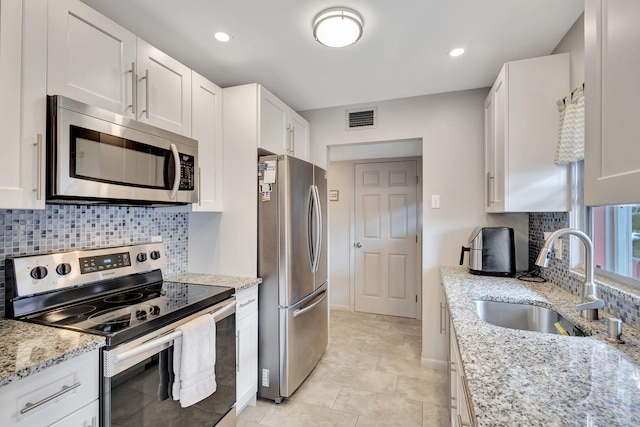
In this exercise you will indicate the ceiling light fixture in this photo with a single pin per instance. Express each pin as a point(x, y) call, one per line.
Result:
point(222, 37)
point(456, 52)
point(337, 27)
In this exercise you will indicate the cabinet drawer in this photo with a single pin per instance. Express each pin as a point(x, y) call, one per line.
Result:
point(246, 302)
point(87, 416)
point(52, 394)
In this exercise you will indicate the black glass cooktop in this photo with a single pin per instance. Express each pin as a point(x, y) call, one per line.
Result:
point(132, 312)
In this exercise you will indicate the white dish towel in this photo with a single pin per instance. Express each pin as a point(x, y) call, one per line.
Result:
point(194, 361)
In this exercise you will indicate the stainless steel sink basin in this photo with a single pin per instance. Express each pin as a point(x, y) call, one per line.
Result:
point(525, 317)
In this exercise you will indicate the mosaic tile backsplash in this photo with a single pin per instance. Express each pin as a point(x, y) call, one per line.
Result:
point(621, 301)
point(70, 227)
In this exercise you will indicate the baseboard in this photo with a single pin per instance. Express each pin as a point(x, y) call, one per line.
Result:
point(433, 364)
point(340, 307)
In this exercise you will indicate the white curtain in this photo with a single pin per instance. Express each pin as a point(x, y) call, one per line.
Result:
point(571, 130)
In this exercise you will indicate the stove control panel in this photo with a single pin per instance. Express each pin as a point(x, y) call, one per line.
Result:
point(104, 262)
point(35, 274)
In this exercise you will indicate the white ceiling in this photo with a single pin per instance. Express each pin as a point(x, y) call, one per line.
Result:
point(403, 52)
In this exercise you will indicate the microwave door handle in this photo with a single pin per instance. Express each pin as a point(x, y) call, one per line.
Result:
point(176, 177)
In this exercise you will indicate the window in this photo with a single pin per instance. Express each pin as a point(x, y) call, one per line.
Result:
point(616, 240)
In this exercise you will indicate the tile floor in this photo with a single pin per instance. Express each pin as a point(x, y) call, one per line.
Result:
point(369, 376)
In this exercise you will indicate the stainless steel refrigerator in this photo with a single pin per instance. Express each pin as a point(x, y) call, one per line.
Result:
point(292, 262)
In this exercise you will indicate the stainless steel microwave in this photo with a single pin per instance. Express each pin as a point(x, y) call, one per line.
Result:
point(97, 156)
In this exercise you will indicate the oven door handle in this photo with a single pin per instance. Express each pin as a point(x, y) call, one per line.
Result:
point(112, 358)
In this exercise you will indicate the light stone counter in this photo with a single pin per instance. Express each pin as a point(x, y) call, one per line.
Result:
point(519, 378)
point(27, 348)
point(239, 283)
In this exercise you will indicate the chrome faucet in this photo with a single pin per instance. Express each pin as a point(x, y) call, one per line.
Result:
point(590, 304)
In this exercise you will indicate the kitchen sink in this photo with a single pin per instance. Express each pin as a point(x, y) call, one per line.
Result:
point(525, 317)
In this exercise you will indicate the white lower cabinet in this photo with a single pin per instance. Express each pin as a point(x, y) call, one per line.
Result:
point(460, 406)
point(247, 347)
point(62, 395)
point(86, 416)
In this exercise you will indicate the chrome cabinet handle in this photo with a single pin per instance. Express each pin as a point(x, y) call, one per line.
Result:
point(134, 79)
point(358, 244)
point(247, 303)
point(443, 329)
point(94, 422)
point(199, 186)
point(146, 84)
point(65, 389)
point(488, 189)
point(292, 139)
point(38, 145)
point(237, 351)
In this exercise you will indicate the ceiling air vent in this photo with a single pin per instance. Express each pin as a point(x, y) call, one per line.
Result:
point(362, 119)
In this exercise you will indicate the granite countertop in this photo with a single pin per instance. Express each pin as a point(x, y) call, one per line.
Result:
point(239, 283)
point(530, 378)
point(28, 348)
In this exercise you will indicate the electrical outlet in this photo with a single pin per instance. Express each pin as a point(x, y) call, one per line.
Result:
point(557, 249)
point(435, 201)
point(265, 377)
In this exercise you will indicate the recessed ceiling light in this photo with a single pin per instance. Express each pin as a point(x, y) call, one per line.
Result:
point(222, 37)
point(337, 27)
point(456, 52)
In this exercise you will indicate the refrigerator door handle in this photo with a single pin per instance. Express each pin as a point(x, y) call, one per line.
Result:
point(301, 311)
point(318, 236)
point(310, 214)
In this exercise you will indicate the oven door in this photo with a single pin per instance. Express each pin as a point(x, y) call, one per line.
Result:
point(134, 386)
point(97, 155)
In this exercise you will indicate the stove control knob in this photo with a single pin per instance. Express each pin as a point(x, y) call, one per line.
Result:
point(141, 257)
point(141, 315)
point(154, 310)
point(155, 255)
point(63, 269)
point(39, 272)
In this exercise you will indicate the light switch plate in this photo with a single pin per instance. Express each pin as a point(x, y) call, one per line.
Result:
point(557, 249)
point(435, 201)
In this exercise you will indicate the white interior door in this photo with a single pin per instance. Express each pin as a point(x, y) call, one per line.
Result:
point(386, 238)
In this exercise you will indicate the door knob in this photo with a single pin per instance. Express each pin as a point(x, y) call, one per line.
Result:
point(357, 244)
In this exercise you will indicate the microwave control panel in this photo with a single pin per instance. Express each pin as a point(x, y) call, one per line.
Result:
point(187, 172)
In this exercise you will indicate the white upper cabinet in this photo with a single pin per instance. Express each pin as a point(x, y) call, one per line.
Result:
point(521, 133)
point(298, 136)
point(96, 61)
point(23, 79)
point(91, 58)
point(612, 64)
point(207, 129)
point(282, 130)
point(164, 90)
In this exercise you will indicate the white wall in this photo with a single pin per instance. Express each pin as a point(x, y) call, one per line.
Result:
point(340, 176)
point(451, 128)
point(573, 43)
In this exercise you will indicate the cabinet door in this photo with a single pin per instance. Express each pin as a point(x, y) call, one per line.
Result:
point(274, 127)
point(207, 130)
point(612, 63)
point(52, 394)
point(495, 140)
point(23, 53)
point(90, 58)
point(247, 370)
point(87, 416)
point(164, 90)
point(299, 136)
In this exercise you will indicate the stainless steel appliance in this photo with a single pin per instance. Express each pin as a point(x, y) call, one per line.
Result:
point(491, 252)
point(96, 156)
point(292, 263)
point(119, 293)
